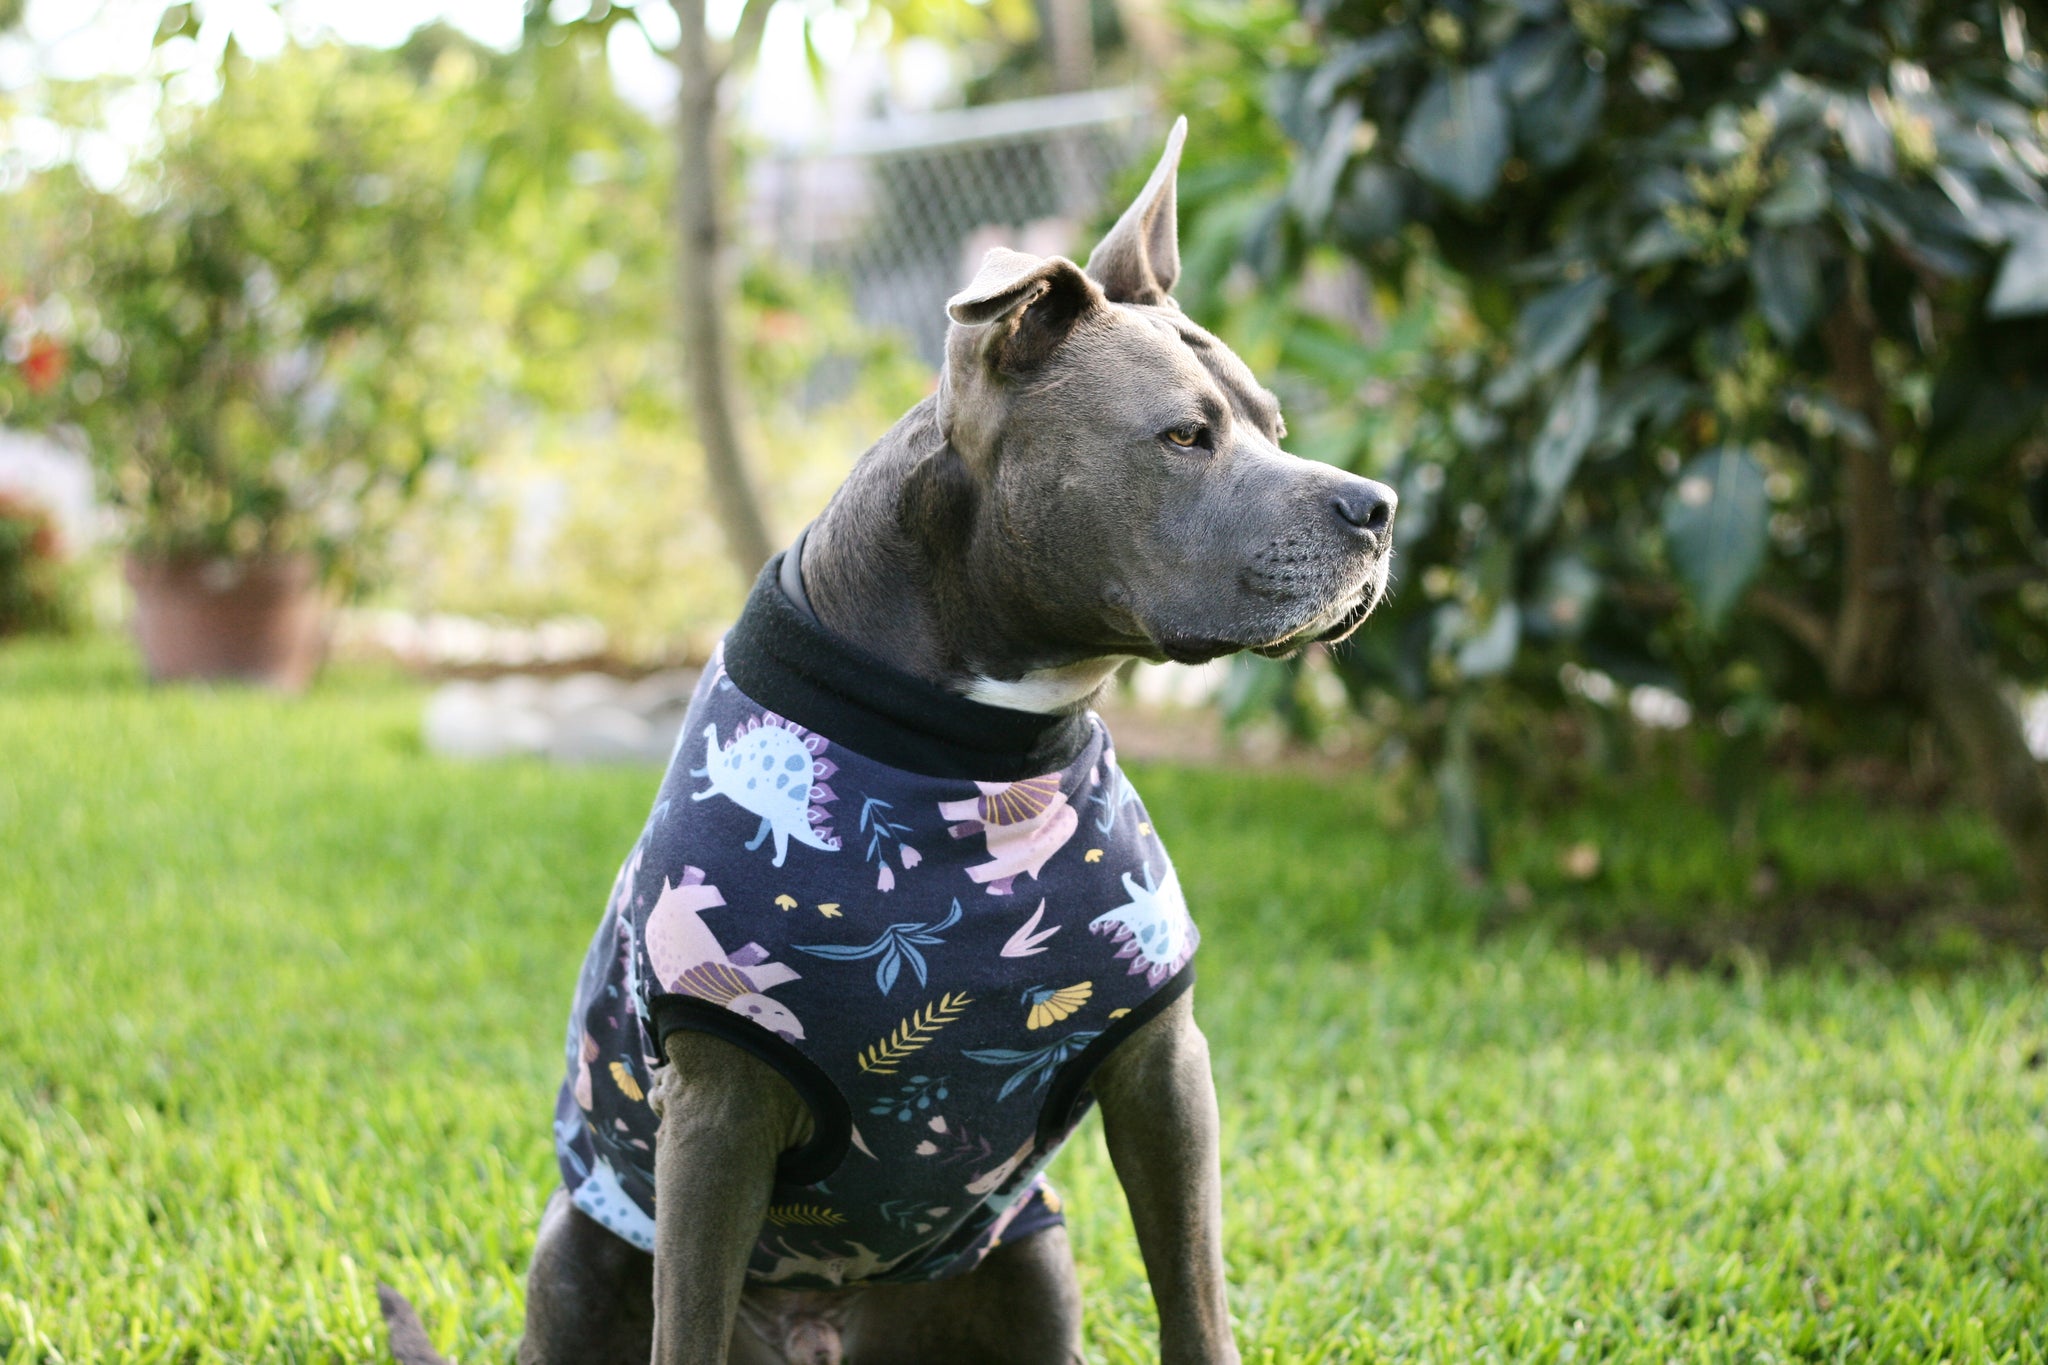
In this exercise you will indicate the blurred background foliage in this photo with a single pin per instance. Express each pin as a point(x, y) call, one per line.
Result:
point(378, 303)
point(252, 335)
point(1706, 343)
point(1711, 352)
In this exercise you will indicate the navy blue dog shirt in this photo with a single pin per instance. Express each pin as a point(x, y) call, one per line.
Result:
point(933, 916)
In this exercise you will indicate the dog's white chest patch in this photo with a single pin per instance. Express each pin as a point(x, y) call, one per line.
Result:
point(1047, 690)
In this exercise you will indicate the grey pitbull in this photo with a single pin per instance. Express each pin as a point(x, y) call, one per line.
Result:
point(1096, 479)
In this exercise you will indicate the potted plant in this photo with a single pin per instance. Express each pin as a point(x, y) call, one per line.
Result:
point(256, 339)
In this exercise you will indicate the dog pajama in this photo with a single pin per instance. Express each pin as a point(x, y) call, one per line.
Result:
point(932, 916)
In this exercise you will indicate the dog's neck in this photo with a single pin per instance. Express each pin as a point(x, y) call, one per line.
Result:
point(889, 588)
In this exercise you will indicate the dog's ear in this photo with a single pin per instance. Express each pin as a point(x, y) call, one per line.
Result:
point(1138, 261)
point(1024, 307)
point(1016, 313)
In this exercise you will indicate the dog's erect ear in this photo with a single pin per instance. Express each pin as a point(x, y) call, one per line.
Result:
point(1026, 306)
point(1138, 261)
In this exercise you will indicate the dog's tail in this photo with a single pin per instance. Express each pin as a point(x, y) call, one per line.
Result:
point(408, 1337)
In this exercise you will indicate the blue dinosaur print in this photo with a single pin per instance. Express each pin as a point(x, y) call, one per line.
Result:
point(777, 770)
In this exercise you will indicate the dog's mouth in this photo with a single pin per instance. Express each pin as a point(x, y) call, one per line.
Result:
point(1323, 627)
point(1355, 617)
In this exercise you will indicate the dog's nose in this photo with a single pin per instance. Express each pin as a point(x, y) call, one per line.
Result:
point(1366, 505)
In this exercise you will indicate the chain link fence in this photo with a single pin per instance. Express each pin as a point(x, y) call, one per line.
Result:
point(901, 211)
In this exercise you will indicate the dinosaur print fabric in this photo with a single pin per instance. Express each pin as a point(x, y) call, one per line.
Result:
point(935, 963)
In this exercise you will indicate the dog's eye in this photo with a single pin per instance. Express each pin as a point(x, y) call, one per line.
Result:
point(1188, 437)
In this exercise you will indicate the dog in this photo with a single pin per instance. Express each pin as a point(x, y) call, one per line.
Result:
point(898, 918)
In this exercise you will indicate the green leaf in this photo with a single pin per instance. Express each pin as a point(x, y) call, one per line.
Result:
point(1531, 64)
point(1457, 135)
point(1988, 397)
point(1644, 327)
point(1374, 206)
point(1649, 400)
point(1716, 522)
point(1800, 197)
point(1563, 603)
point(1492, 650)
point(1658, 241)
point(1422, 489)
point(1556, 96)
point(1356, 59)
point(1690, 25)
point(1784, 273)
point(1555, 128)
point(1554, 325)
point(2022, 287)
point(1866, 137)
point(1254, 687)
point(1316, 177)
point(1561, 443)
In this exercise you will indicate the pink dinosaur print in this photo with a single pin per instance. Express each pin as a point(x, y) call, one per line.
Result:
point(1026, 823)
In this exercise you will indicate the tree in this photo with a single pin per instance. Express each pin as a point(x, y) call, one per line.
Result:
point(706, 279)
point(1737, 366)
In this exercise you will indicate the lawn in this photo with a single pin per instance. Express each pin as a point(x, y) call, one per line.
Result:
point(283, 1002)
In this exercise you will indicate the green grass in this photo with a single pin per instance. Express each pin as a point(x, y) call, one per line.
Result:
point(283, 995)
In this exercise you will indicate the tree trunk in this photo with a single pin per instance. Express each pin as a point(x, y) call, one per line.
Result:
point(1962, 692)
point(1070, 30)
point(1866, 658)
point(701, 280)
point(1149, 29)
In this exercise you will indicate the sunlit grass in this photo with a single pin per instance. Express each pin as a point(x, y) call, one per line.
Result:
point(283, 994)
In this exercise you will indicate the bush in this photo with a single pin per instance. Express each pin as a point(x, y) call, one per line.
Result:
point(258, 333)
point(32, 590)
point(1720, 350)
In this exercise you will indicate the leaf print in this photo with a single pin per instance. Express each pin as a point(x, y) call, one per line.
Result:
point(628, 1087)
point(898, 944)
point(804, 1215)
point(883, 832)
point(914, 1096)
point(959, 1144)
point(884, 1056)
point(1036, 1065)
point(1028, 941)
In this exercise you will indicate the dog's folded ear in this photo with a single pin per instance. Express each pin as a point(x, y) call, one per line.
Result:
point(1138, 260)
point(1026, 304)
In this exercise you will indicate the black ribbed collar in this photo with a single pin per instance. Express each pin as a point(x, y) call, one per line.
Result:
point(779, 654)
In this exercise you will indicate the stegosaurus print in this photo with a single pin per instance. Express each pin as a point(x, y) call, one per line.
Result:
point(776, 769)
point(1152, 928)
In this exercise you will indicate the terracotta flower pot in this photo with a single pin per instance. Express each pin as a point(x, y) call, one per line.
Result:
point(255, 620)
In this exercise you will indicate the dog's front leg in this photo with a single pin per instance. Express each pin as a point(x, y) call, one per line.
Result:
point(1159, 1114)
point(725, 1118)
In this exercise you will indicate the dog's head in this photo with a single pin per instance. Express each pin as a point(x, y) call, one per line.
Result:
point(1132, 465)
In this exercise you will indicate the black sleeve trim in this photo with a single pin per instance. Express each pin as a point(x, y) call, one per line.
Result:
point(831, 1117)
point(1065, 1101)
